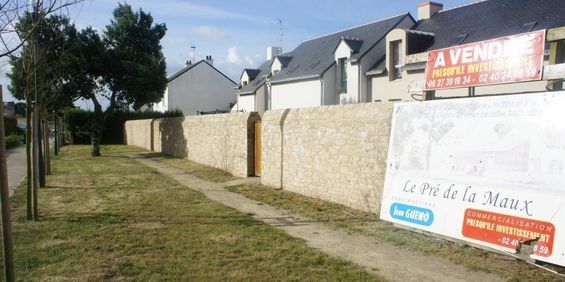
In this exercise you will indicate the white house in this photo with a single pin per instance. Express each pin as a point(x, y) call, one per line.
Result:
point(252, 89)
point(196, 88)
point(327, 70)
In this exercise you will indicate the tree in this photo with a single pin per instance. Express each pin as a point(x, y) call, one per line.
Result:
point(57, 36)
point(134, 69)
point(12, 11)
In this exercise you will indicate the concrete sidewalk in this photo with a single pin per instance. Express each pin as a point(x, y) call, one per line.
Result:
point(16, 160)
point(384, 260)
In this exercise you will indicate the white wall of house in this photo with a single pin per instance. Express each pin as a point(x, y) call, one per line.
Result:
point(296, 94)
point(342, 51)
point(276, 66)
point(244, 78)
point(162, 106)
point(246, 103)
point(330, 86)
point(352, 94)
point(202, 88)
point(261, 100)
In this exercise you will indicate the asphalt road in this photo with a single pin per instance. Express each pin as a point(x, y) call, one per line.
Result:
point(16, 166)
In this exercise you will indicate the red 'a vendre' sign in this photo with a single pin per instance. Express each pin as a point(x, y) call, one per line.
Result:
point(502, 60)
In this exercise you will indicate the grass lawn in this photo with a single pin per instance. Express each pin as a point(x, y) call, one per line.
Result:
point(368, 224)
point(111, 218)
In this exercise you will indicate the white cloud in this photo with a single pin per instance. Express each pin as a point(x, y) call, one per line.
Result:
point(209, 32)
point(253, 61)
point(233, 56)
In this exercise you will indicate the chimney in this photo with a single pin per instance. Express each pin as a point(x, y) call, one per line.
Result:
point(272, 52)
point(209, 60)
point(188, 63)
point(427, 9)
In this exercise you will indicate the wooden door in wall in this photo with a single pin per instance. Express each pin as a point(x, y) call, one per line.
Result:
point(258, 148)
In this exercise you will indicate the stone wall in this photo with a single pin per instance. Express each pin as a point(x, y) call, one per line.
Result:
point(138, 133)
point(334, 153)
point(224, 141)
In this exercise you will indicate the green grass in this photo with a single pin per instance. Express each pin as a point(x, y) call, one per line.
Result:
point(199, 170)
point(111, 218)
point(367, 223)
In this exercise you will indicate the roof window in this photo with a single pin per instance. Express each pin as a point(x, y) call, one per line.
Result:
point(458, 40)
point(527, 27)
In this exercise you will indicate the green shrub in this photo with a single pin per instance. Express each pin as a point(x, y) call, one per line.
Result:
point(79, 123)
point(12, 140)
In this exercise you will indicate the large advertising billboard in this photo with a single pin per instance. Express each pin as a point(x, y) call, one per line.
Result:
point(502, 60)
point(488, 170)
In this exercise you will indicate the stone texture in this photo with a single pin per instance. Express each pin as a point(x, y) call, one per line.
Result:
point(224, 141)
point(334, 153)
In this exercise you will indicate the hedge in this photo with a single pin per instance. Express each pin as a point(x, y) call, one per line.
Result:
point(79, 123)
point(12, 140)
point(10, 126)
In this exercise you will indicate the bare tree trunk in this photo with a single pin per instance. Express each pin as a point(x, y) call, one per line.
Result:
point(35, 161)
point(29, 177)
point(56, 135)
point(40, 149)
point(5, 203)
point(46, 147)
point(97, 128)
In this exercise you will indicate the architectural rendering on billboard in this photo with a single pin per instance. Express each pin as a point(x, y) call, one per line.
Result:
point(488, 170)
point(502, 60)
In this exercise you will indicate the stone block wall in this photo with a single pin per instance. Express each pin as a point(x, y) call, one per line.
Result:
point(224, 141)
point(138, 133)
point(334, 153)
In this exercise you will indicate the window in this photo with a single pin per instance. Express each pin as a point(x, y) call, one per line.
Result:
point(396, 59)
point(527, 27)
point(342, 75)
point(458, 40)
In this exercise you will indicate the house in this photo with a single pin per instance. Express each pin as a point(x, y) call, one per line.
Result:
point(252, 88)
point(400, 77)
point(326, 70)
point(198, 87)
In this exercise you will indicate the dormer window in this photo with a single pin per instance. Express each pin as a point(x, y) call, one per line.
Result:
point(342, 65)
point(396, 60)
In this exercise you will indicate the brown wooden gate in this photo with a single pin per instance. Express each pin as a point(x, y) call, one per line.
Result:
point(258, 148)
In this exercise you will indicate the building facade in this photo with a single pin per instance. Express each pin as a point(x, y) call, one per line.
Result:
point(198, 87)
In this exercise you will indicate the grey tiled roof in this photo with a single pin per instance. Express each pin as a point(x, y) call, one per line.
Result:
point(354, 44)
point(313, 57)
point(482, 21)
point(190, 66)
point(252, 73)
point(252, 86)
point(491, 19)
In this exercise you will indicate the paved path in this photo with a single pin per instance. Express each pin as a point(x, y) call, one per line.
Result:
point(16, 166)
point(385, 260)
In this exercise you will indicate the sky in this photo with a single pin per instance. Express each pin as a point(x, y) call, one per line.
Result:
point(237, 33)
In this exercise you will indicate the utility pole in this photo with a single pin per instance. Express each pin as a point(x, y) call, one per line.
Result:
point(5, 203)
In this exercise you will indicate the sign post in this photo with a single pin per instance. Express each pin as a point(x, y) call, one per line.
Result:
point(503, 60)
point(487, 170)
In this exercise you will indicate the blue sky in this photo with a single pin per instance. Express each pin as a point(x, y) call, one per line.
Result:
point(236, 33)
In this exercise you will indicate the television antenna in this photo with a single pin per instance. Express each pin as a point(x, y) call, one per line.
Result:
point(281, 33)
point(193, 53)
